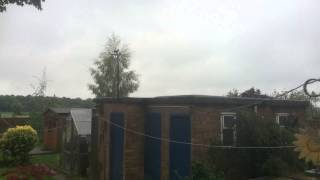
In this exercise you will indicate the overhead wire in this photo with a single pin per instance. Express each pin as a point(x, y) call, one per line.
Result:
point(266, 99)
point(198, 144)
point(310, 81)
point(306, 91)
point(217, 146)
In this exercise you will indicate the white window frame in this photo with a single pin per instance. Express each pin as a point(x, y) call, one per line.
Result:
point(278, 118)
point(222, 127)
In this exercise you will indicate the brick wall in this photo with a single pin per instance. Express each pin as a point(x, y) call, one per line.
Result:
point(166, 111)
point(205, 126)
point(133, 166)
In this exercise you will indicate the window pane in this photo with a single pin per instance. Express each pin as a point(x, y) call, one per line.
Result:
point(287, 121)
point(228, 137)
point(283, 120)
point(228, 121)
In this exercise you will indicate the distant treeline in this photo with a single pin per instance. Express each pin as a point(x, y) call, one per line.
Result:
point(19, 104)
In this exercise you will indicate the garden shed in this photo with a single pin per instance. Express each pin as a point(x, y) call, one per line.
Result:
point(76, 140)
point(134, 138)
point(54, 121)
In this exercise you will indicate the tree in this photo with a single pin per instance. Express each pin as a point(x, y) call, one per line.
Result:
point(233, 93)
point(110, 74)
point(313, 111)
point(252, 92)
point(5, 3)
point(41, 87)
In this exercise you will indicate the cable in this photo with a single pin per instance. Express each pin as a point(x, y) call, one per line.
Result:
point(201, 145)
point(305, 89)
point(217, 146)
point(287, 92)
point(276, 97)
point(310, 81)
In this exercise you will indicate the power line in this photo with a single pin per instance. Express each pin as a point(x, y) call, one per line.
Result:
point(263, 100)
point(305, 89)
point(310, 81)
point(197, 144)
point(219, 146)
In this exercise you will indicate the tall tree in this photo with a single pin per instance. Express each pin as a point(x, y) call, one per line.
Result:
point(252, 93)
point(41, 86)
point(5, 3)
point(110, 73)
point(233, 93)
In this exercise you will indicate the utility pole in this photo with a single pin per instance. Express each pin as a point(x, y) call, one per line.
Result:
point(116, 55)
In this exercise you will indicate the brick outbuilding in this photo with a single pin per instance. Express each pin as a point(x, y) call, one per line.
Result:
point(126, 132)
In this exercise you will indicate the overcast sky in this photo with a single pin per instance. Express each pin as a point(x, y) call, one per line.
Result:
point(178, 46)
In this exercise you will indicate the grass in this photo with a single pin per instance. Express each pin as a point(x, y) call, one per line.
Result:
point(51, 160)
point(11, 114)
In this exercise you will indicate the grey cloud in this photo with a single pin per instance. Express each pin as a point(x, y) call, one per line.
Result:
point(179, 47)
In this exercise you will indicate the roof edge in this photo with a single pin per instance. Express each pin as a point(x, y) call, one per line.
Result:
point(202, 99)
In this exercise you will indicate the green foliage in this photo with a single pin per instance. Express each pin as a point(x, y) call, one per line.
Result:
point(252, 92)
point(203, 171)
point(16, 143)
point(110, 70)
point(36, 105)
point(11, 103)
point(36, 122)
point(51, 160)
point(36, 171)
point(5, 3)
point(313, 111)
point(233, 93)
point(250, 163)
point(295, 95)
point(275, 166)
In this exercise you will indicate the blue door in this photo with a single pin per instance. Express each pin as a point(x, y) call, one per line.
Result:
point(180, 154)
point(116, 146)
point(152, 153)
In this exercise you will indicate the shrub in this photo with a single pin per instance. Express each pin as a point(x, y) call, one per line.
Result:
point(36, 171)
point(203, 171)
point(275, 166)
point(251, 163)
point(16, 143)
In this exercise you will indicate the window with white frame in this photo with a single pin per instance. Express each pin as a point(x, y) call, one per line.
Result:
point(228, 128)
point(284, 120)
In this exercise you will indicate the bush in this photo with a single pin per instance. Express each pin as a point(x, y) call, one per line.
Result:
point(36, 171)
point(275, 166)
point(203, 171)
point(251, 163)
point(16, 143)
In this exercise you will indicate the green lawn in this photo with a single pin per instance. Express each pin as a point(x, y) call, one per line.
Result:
point(11, 114)
point(51, 160)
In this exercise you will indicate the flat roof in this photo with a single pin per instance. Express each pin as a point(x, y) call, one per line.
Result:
point(203, 99)
point(61, 110)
